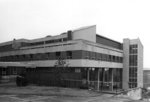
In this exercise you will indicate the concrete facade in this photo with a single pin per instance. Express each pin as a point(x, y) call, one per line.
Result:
point(146, 78)
point(84, 33)
point(126, 62)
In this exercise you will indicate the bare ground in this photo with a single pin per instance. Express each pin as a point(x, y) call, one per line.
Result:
point(12, 93)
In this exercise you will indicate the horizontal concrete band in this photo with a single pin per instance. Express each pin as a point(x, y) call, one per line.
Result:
point(69, 46)
point(75, 63)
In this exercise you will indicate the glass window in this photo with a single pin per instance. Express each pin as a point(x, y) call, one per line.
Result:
point(117, 73)
point(110, 58)
point(117, 59)
point(3, 71)
point(31, 56)
point(133, 60)
point(77, 70)
point(103, 57)
point(133, 49)
point(93, 55)
point(64, 39)
point(58, 55)
point(113, 58)
point(14, 71)
point(47, 55)
point(87, 54)
point(99, 56)
point(69, 54)
point(49, 41)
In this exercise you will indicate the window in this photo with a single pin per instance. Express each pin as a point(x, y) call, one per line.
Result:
point(58, 55)
point(56, 40)
point(59, 40)
point(49, 41)
point(121, 59)
point(132, 85)
point(14, 71)
point(93, 55)
point(133, 60)
point(132, 77)
point(110, 58)
point(133, 49)
point(113, 58)
point(96, 56)
point(64, 39)
point(69, 54)
point(47, 55)
point(134, 46)
point(31, 56)
point(38, 56)
point(77, 70)
point(107, 57)
point(12, 58)
point(117, 59)
point(90, 55)
point(117, 73)
point(24, 56)
point(99, 56)
point(28, 57)
point(87, 54)
point(3, 71)
point(18, 57)
point(37, 43)
point(104, 57)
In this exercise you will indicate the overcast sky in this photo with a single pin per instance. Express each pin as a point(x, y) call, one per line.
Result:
point(116, 19)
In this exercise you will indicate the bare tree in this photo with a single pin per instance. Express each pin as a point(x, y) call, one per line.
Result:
point(60, 66)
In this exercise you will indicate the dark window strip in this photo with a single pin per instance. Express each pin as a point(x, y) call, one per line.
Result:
point(77, 54)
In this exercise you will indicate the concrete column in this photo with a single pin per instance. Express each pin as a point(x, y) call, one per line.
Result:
point(125, 78)
point(103, 75)
point(98, 79)
point(112, 80)
point(88, 76)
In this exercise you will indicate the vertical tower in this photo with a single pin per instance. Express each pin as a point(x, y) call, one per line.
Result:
point(132, 63)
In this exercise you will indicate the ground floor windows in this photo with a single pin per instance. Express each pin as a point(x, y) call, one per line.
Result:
point(8, 74)
point(77, 70)
point(3, 71)
point(103, 79)
point(6, 71)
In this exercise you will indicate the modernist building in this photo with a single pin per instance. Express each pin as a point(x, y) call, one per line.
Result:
point(82, 57)
point(146, 78)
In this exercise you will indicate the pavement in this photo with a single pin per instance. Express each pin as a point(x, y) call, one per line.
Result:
point(12, 93)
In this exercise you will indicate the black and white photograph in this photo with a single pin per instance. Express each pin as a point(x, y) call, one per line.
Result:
point(74, 50)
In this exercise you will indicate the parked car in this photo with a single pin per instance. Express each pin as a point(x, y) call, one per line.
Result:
point(21, 80)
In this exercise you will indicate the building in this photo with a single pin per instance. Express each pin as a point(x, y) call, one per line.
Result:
point(146, 78)
point(76, 58)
